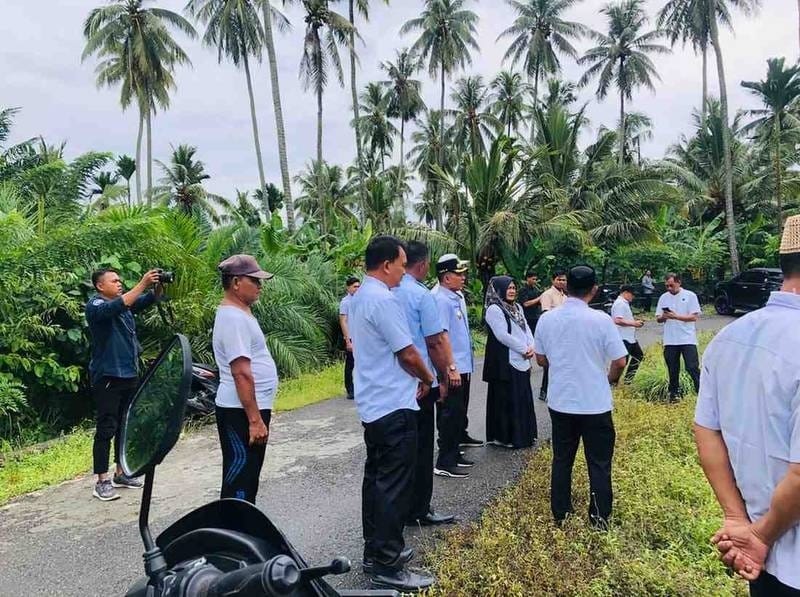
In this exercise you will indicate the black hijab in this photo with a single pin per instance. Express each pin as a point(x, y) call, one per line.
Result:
point(496, 295)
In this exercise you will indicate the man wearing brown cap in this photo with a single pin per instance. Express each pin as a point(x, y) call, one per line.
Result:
point(248, 378)
point(747, 429)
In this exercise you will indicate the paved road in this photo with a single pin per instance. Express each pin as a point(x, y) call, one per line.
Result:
point(60, 541)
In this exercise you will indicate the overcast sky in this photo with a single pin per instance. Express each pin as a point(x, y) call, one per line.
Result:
point(41, 72)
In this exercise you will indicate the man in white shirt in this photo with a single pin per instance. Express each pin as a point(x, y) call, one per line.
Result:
point(747, 429)
point(627, 325)
point(678, 309)
point(352, 284)
point(577, 343)
point(248, 378)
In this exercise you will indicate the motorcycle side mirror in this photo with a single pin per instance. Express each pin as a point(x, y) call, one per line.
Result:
point(151, 428)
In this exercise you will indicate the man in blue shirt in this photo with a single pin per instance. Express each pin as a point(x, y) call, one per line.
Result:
point(452, 419)
point(113, 366)
point(431, 342)
point(390, 376)
point(352, 285)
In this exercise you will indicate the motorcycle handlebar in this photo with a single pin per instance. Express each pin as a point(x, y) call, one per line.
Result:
point(279, 576)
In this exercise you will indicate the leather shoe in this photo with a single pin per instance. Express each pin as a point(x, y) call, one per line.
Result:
point(432, 519)
point(402, 580)
point(368, 564)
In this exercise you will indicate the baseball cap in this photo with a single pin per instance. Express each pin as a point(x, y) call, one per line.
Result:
point(243, 265)
point(451, 263)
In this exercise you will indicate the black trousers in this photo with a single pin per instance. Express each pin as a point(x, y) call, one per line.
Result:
point(349, 364)
point(691, 361)
point(767, 585)
point(597, 432)
point(241, 462)
point(388, 486)
point(112, 395)
point(423, 474)
point(635, 356)
point(450, 422)
point(545, 381)
point(647, 302)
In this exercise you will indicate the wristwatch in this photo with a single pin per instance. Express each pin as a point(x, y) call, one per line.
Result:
point(452, 367)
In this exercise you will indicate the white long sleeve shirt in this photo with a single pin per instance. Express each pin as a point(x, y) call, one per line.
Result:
point(518, 341)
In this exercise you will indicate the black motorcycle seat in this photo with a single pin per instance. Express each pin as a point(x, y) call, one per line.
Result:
point(205, 541)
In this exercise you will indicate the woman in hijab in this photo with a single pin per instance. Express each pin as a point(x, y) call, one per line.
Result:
point(510, 418)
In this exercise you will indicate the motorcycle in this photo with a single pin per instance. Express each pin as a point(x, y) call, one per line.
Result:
point(205, 381)
point(227, 548)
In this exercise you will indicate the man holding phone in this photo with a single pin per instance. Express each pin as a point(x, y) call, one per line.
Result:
point(678, 309)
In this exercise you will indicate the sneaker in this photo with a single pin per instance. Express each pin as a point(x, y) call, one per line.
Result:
point(126, 482)
point(543, 396)
point(402, 580)
point(470, 442)
point(351, 397)
point(453, 472)
point(368, 564)
point(464, 462)
point(104, 492)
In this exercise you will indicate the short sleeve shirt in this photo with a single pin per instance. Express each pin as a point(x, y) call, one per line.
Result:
point(579, 343)
point(237, 334)
point(677, 333)
point(552, 298)
point(622, 308)
point(421, 312)
point(750, 391)
point(453, 317)
point(344, 304)
point(379, 330)
point(527, 293)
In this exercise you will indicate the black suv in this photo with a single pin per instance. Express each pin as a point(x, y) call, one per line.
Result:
point(747, 291)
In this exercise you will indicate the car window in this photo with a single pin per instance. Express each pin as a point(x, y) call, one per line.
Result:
point(751, 277)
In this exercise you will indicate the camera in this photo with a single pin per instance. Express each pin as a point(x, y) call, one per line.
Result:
point(165, 277)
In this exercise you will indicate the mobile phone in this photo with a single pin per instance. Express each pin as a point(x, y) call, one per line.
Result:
point(666, 309)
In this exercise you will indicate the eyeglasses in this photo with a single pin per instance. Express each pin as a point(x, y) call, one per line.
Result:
point(256, 281)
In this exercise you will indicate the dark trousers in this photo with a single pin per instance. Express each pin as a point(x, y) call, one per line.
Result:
point(647, 302)
point(545, 380)
point(635, 356)
point(241, 462)
point(691, 361)
point(112, 395)
point(597, 432)
point(450, 422)
point(767, 585)
point(349, 364)
point(388, 485)
point(466, 379)
point(423, 474)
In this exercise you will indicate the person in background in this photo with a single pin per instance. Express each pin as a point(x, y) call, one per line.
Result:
point(747, 430)
point(248, 378)
point(352, 284)
point(577, 343)
point(627, 325)
point(390, 378)
point(530, 297)
point(452, 418)
point(432, 343)
point(648, 288)
point(113, 368)
point(678, 309)
point(510, 417)
point(552, 298)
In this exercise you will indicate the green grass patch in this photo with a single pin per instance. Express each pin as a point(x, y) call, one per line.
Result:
point(70, 457)
point(664, 515)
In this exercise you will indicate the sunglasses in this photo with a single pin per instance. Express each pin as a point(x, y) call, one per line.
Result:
point(256, 281)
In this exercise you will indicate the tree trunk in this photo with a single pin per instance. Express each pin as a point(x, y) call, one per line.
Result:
point(354, 94)
point(279, 127)
point(260, 162)
point(320, 190)
point(439, 198)
point(778, 173)
point(149, 158)
point(704, 106)
point(400, 176)
point(730, 219)
point(139, 158)
point(798, 12)
point(621, 128)
point(128, 181)
point(535, 100)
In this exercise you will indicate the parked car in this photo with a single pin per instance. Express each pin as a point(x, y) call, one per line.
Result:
point(748, 291)
point(604, 299)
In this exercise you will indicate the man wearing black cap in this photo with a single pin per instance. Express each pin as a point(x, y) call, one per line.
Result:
point(248, 378)
point(626, 325)
point(577, 343)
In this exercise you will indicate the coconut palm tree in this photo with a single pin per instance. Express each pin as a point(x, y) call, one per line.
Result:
point(336, 199)
point(182, 186)
point(233, 27)
point(562, 93)
point(318, 58)
point(126, 167)
point(426, 153)
point(473, 122)
point(777, 122)
point(621, 56)
point(539, 34)
point(405, 99)
point(374, 125)
point(270, 14)
point(508, 99)
point(446, 34)
point(137, 51)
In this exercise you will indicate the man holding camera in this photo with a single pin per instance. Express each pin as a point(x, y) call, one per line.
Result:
point(113, 366)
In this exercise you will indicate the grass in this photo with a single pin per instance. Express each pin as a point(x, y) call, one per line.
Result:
point(71, 456)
